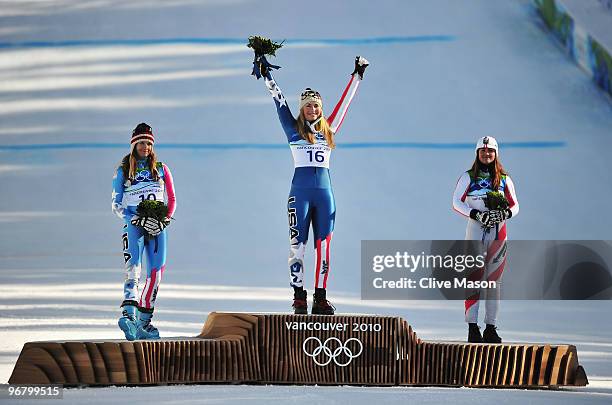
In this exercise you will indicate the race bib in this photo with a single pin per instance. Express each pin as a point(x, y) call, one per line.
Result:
point(311, 155)
point(476, 202)
point(133, 195)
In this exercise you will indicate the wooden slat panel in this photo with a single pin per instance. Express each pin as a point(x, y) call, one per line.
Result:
point(128, 352)
point(99, 366)
point(143, 366)
point(555, 378)
point(57, 351)
point(42, 360)
point(114, 362)
point(542, 380)
point(77, 351)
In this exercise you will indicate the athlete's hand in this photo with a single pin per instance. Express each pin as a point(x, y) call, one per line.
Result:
point(138, 221)
point(499, 216)
point(495, 217)
point(261, 66)
point(361, 64)
point(151, 225)
point(484, 217)
point(154, 226)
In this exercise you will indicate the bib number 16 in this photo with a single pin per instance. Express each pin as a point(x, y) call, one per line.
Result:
point(319, 155)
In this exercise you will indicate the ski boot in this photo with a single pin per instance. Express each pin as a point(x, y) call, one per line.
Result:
point(300, 305)
point(321, 306)
point(145, 329)
point(490, 335)
point(474, 335)
point(128, 321)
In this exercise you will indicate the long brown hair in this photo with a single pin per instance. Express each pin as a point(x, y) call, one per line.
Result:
point(128, 164)
point(322, 126)
point(496, 174)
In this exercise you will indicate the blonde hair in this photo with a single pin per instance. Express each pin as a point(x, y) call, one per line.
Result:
point(322, 126)
point(129, 161)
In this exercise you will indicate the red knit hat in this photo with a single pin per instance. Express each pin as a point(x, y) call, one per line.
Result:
point(142, 132)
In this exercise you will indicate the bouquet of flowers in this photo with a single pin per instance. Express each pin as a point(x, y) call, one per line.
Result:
point(262, 47)
point(157, 210)
point(496, 201)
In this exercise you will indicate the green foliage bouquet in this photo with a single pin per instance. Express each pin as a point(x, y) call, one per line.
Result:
point(263, 46)
point(152, 209)
point(496, 201)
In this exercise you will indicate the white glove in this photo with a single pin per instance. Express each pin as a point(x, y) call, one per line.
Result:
point(154, 226)
point(138, 221)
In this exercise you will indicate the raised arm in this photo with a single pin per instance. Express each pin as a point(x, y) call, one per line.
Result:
point(337, 116)
point(117, 195)
point(339, 112)
point(460, 194)
point(287, 120)
point(263, 68)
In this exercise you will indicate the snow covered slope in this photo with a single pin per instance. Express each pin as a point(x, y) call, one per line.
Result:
point(443, 73)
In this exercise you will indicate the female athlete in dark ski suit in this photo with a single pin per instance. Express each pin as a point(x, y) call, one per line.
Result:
point(311, 200)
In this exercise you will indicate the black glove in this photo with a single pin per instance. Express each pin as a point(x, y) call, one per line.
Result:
point(499, 216)
point(165, 222)
point(261, 66)
point(361, 64)
point(483, 217)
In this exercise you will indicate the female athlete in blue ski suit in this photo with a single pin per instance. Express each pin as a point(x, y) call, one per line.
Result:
point(150, 181)
point(311, 199)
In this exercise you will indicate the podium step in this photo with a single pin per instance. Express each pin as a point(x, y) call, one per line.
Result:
point(242, 348)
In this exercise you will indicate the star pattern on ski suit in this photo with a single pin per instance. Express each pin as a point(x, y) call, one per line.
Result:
point(295, 271)
point(276, 92)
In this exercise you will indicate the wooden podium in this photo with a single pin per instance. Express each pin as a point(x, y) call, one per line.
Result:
point(242, 348)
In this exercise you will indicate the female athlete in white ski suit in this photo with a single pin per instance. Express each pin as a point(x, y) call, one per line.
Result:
point(485, 225)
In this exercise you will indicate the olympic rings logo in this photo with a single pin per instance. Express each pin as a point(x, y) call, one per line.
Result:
point(322, 350)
